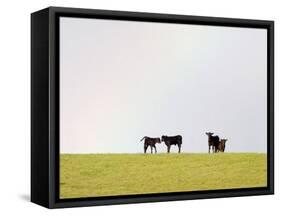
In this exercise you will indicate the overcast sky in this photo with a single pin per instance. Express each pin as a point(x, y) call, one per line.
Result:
point(122, 80)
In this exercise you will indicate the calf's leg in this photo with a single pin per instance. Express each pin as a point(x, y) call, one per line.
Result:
point(145, 148)
point(168, 148)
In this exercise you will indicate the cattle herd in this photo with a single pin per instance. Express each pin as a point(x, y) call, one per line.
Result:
point(214, 143)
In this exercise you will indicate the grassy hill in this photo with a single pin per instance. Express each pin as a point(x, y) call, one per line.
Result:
point(89, 175)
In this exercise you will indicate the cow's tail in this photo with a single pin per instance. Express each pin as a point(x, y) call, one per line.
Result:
point(180, 140)
point(143, 138)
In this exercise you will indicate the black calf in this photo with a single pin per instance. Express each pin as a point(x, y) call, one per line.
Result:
point(172, 140)
point(148, 141)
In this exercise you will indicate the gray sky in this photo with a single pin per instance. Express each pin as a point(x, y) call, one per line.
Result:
point(122, 80)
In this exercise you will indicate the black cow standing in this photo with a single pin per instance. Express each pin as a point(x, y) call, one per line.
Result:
point(148, 141)
point(213, 142)
point(172, 140)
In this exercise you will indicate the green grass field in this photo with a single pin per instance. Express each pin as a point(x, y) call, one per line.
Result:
point(90, 175)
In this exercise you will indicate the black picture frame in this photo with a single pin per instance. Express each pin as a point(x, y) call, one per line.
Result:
point(45, 106)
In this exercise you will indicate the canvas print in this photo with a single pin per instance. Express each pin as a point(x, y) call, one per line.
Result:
point(149, 107)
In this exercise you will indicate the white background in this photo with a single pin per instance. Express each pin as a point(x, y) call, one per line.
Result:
point(15, 107)
point(162, 79)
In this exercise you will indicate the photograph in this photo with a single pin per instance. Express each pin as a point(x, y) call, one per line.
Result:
point(154, 107)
